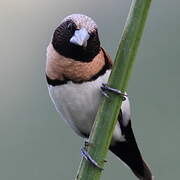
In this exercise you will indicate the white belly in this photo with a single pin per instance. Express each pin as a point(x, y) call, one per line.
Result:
point(78, 103)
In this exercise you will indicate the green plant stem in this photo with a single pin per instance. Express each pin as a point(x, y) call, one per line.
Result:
point(108, 112)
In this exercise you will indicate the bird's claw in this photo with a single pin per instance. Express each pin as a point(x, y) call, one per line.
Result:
point(88, 157)
point(105, 88)
point(87, 143)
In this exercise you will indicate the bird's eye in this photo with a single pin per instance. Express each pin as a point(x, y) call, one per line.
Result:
point(93, 34)
point(71, 27)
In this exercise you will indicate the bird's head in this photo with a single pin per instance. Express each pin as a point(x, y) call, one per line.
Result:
point(77, 38)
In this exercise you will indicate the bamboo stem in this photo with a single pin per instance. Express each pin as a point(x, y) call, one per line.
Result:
point(106, 117)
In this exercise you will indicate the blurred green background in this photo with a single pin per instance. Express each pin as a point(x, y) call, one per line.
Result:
point(34, 143)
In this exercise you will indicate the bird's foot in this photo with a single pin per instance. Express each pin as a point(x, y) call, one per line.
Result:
point(87, 144)
point(105, 88)
point(88, 157)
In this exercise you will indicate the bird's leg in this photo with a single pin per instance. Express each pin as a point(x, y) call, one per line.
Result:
point(106, 88)
point(88, 157)
point(87, 143)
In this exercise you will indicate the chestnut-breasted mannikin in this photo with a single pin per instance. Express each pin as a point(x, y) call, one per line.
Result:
point(77, 70)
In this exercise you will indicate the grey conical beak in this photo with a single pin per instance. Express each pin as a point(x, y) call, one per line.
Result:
point(80, 37)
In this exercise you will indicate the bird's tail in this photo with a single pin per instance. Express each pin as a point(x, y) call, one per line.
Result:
point(129, 153)
point(146, 173)
point(133, 160)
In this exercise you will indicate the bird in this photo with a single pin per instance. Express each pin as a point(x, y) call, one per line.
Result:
point(77, 72)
